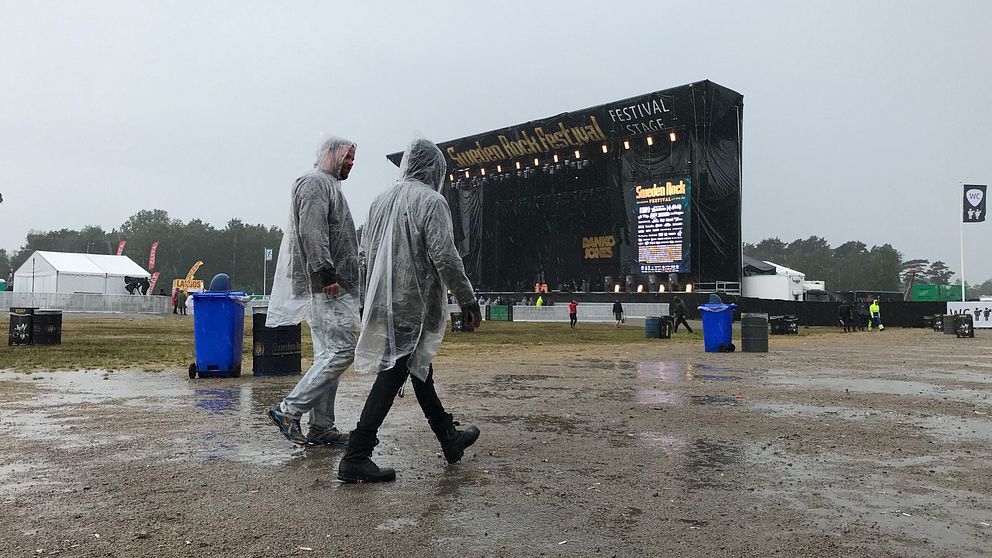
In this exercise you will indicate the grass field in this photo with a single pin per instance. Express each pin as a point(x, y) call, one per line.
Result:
point(167, 343)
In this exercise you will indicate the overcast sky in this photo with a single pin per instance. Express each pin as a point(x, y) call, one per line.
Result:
point(860, 118)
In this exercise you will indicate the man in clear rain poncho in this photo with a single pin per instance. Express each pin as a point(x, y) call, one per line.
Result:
point(317, 280)
point(411, 261)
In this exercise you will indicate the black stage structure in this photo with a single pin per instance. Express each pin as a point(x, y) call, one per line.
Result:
point(642, 192)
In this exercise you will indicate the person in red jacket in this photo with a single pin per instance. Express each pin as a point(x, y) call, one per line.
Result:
point(572, 317)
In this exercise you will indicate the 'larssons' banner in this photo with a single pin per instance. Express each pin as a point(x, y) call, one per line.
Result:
point(974, 203)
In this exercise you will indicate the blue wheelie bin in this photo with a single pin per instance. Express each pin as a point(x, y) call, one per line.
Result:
point(718, 323)
point(218, 334)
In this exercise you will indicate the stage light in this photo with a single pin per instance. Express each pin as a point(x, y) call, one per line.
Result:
point(451, 177)
point(616, 288)
point(499, 168)
point(604, 148)
point(626, 144)
point(640, 288)
point(577, 155)
point(688, 287)
point(556, 157)
point(536, 162)
point(466, 174)
point(671, 136)
point(483, 170)
point(518, 165)
point(650, 140)
point(661, 288)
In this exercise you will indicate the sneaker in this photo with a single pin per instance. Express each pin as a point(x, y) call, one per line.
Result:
point(318, 436)
point(289, 426)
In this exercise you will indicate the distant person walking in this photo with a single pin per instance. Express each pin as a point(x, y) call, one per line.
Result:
point(175, 301)
point(876, 316)
point(845, 316)
point(861, 315)
point(317, 280)
point(540, 301)
point(678, 313)
point(573, 316)
point(181, 301)
point(618, 312)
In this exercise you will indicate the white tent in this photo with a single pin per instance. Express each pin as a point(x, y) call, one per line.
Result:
point(63, 272)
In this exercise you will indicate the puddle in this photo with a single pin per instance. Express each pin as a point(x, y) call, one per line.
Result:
point(882, 386)
point(716, 400)
point(17, 477)
point(664, 371)
point(657, 397)
point(716, 378)
point(666, 442)
point(398, 524)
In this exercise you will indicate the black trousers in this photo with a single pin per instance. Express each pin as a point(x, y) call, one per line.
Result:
point(572, 318)
point(387, 385)
point(680, 319)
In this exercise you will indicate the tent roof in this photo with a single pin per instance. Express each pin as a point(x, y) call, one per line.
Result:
point(782, 270)
point(92, 264)
point(754, 266)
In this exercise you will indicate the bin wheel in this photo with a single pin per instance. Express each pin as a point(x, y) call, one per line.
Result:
point(192, 371)
point(237, 372)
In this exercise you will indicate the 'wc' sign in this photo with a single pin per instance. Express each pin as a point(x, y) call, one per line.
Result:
point(974, 203)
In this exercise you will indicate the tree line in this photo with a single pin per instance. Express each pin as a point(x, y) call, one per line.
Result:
point(854, 266)
point(237, 249)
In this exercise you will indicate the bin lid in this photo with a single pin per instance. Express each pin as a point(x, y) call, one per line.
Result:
point(230, 294)
point(716, 307)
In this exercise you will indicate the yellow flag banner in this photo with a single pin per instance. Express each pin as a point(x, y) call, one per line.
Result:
point(192, 270)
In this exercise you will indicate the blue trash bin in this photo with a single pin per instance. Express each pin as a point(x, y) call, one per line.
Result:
point(718, 323)
point(218, 334)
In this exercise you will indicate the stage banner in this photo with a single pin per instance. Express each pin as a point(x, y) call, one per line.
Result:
point(981, 312)
point(974, 204)
point(151, 257)
point(151, 283)
point(120, 247)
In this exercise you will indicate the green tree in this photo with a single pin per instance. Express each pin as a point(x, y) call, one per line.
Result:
point(939, 273)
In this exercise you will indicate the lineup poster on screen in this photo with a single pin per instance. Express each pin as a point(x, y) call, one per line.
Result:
point(662, 226)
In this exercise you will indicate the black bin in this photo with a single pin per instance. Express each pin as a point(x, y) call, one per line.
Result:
point(46, 327)
point(950, 324)
point(754, 333)
point(964, 325)
point(667, 325)
point(784, 325)
point(276, 351)
point(20, 330)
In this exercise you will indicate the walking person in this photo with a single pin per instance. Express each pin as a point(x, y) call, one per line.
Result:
point(573, 316)
point(678, 312)
point(618, 312)
point(410, 258)
point(181, 302)
point(317, 280)
point(175, 301)
point(876, 316)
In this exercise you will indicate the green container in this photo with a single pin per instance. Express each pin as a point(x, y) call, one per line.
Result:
point(498, 312)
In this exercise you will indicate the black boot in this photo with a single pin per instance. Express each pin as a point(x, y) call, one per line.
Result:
point(453, 441)
point(356, 465)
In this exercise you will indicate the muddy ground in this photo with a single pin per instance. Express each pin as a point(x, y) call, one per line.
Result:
point(829, 445)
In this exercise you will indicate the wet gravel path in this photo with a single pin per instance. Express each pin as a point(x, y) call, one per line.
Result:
point(829, 445)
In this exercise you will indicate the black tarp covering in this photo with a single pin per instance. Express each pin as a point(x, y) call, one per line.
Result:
point(573, 222)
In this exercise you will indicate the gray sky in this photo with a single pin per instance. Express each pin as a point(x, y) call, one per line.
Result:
point(860, 118)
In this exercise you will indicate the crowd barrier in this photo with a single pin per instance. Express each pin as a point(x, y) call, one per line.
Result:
point(85, 302)
point(587, 312)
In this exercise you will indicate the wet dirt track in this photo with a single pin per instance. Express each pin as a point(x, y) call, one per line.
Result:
point(830, 445)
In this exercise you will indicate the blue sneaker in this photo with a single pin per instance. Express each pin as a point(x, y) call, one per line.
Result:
point(318, 436)
point(289, 426)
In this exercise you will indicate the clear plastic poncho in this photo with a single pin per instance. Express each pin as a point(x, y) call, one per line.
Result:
point(319, 241)
point(410, 262)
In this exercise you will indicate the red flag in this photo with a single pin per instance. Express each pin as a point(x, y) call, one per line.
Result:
point(154, 279)
point(120, 247)
point(151, 257)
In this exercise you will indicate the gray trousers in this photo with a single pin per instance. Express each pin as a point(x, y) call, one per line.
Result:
point(333, 325)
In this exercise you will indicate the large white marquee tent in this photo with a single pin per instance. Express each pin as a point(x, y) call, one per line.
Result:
point(64, 272)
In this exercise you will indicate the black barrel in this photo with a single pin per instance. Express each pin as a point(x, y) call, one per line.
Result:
point(276, 351)
point(652, 327)
point(754, 333)
point(46, 327)
point(667, 325)
point(20, 330)
point(950, 321)
point(964, 325)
